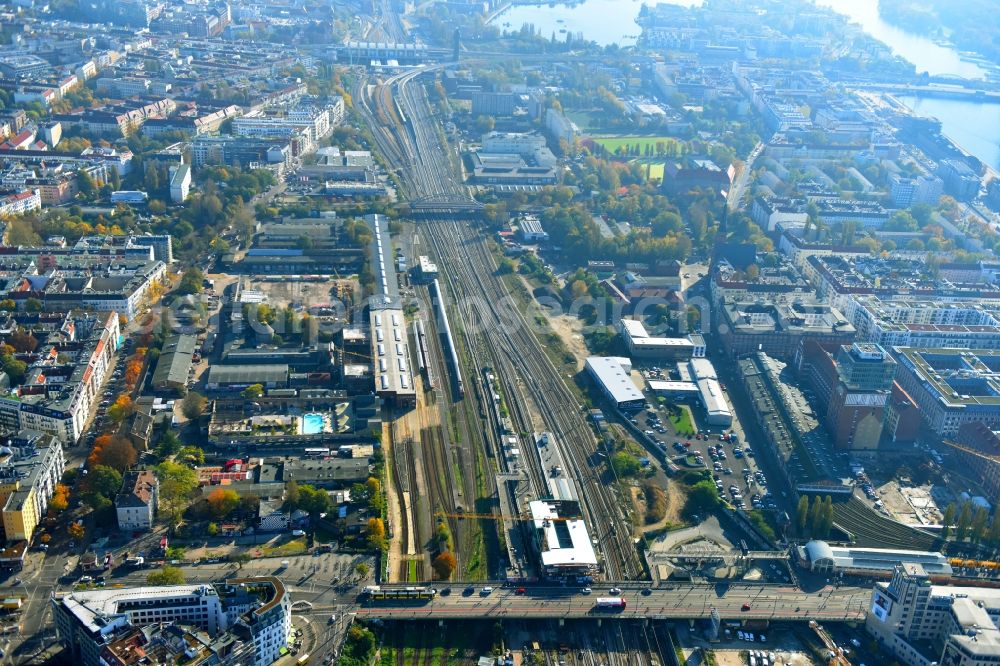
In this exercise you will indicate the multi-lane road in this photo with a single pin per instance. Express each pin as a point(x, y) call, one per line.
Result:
point(326, 592)
point(738, 602)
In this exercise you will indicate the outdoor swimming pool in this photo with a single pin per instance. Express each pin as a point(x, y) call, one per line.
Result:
point(312, 424)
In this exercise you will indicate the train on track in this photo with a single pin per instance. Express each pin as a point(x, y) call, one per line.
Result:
point(495, 400)
point(449, 340)
point(377, 593)
point(423, 353)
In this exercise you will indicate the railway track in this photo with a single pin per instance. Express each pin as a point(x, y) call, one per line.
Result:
point(502, 338)
point(517, 349)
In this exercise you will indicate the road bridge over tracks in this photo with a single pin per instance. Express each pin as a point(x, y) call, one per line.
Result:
point(690, 601)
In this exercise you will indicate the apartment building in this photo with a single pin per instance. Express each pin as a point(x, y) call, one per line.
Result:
point(136, 503)
point(28, 478)
point(180, 183)
point(19, 203)
point(58, 397)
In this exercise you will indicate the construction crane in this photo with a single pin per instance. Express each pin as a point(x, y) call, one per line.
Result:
point(972, 452)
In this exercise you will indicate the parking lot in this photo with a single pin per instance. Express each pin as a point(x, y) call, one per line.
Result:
point(724, 452)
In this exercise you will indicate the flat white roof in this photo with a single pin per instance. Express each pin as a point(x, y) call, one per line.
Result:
point(712, 398)
point(394, 377)
point(702, 368)
point(567, 542)
point(608, 371)
point(669, 386)
point(88, 606)
point(634, 329)
point(661, 342)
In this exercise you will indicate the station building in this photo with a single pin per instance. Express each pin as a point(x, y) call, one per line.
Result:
point(561, 538)
point(821, 557)
point(393, 370)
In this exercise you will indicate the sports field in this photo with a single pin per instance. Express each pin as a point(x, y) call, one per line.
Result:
point(613, 143)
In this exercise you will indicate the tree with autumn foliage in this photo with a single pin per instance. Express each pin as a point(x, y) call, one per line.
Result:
point(77, 531)
point(444, 564)
point(133, 368)
point(375, 531)
point(222, 502)
point(113, 451)
point(60, 498)
point(121, 410)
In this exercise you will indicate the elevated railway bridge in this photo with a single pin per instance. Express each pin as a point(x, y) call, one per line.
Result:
point(446, 206)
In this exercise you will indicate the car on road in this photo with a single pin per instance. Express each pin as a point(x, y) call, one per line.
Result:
point(469, 590)
point(486, 591)
point(586, 590)
point(746, 606)
point(615, 590)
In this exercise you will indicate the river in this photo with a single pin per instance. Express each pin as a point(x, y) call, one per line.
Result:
point(925, 54)
point(603, 21)
point(973, 126)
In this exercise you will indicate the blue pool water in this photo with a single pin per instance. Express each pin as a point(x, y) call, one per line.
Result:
point(312, 424)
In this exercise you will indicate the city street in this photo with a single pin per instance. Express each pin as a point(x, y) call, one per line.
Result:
point(321, 585)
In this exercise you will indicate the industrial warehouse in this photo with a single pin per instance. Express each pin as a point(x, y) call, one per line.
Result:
point(612, 376)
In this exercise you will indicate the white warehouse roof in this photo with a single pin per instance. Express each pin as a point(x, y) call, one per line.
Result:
point(613, 376)
point(661, 386)
point(714, 401)
point(702, 368)
point(633, 328)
